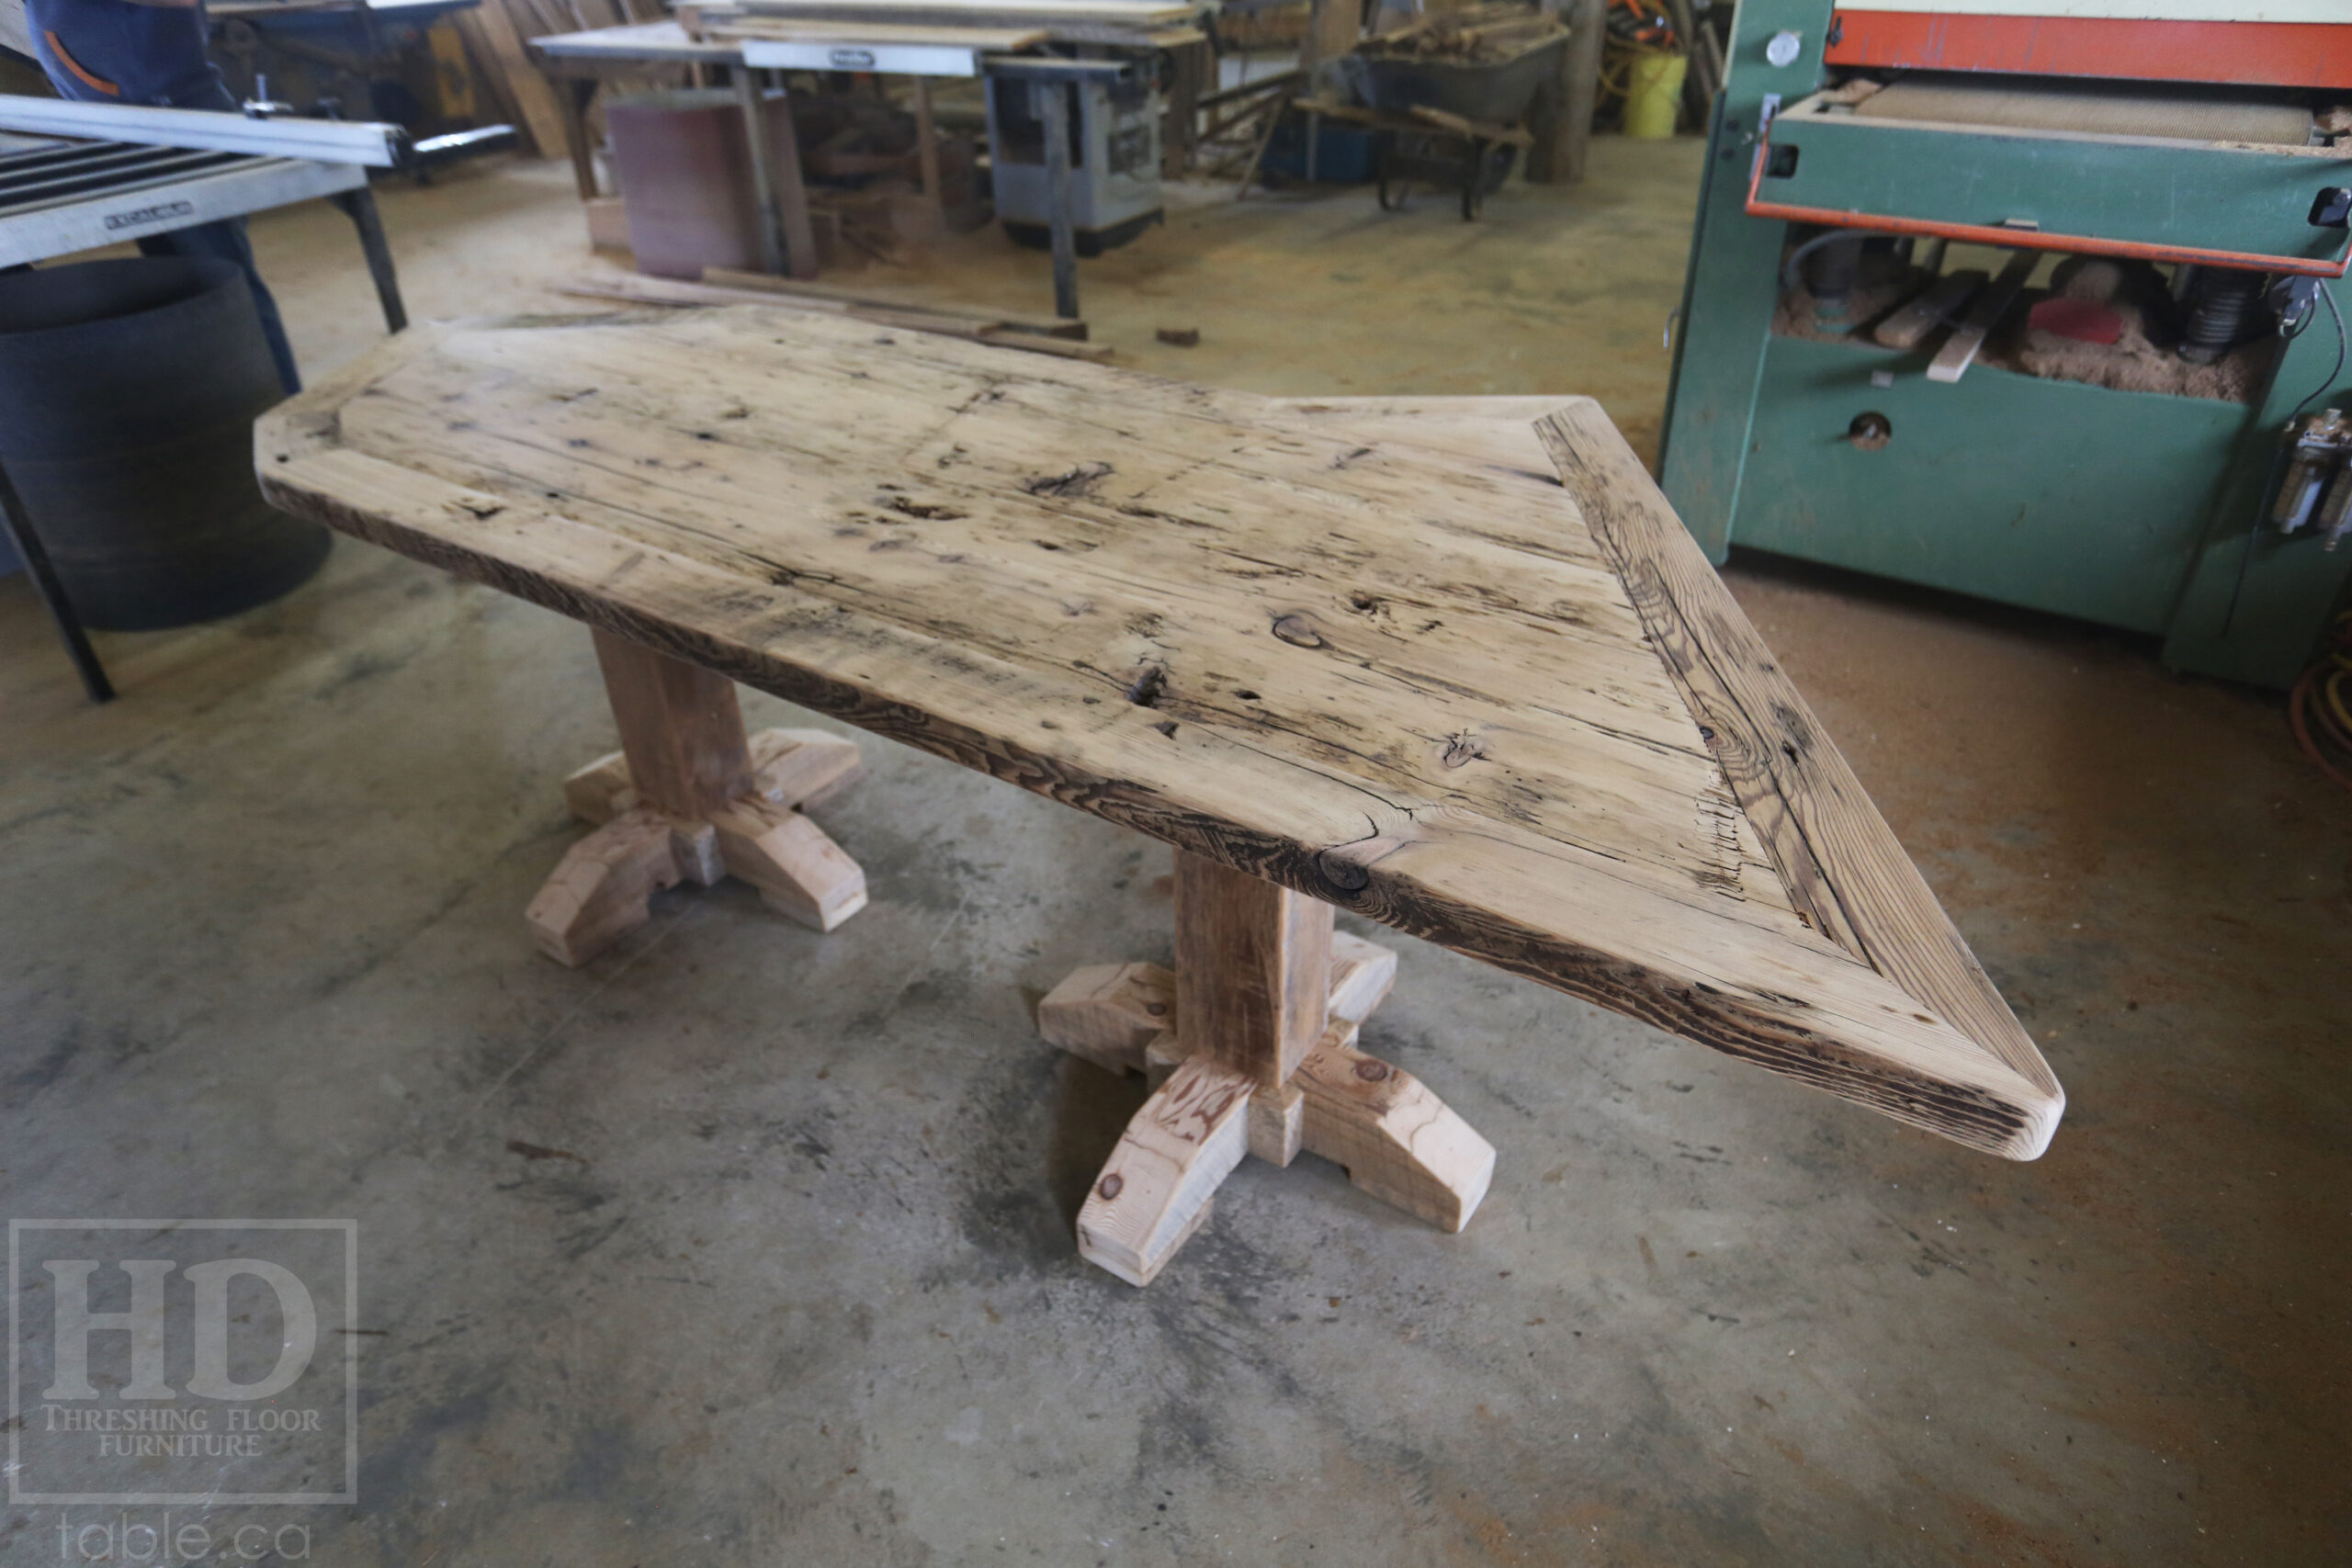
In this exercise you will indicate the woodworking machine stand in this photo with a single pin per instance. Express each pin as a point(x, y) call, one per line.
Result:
point(58, 196)
point(1956, 149)
point(76, 177)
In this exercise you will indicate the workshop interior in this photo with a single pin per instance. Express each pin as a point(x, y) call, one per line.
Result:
point(1139, 781)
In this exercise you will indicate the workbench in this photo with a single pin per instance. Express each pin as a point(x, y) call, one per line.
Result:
point(582, 62)
point(1444, 664)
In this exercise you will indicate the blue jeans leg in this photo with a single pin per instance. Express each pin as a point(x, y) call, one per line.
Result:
point(226, 240)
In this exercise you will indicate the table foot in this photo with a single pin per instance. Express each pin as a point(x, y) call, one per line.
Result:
point(602, 887)
point(1155, 1189)
point(1397, 1141)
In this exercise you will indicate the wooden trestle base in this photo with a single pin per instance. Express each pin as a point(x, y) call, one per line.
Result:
point(1249, 1044)
point(690, 797)
point(1250, 1048)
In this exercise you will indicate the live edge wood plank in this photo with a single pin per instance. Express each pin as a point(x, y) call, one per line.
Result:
point(1408, 684)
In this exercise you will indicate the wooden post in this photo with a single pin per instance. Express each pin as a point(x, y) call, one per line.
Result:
point(1589, 23)
point(763, 193)
point(1333, 29)
point(927, 143)
point(1563, 143)
point(572, 96)
point(1181, 127)
point(791, 191)
point(1253, 968)
point(681, 727)
point(1052, 102)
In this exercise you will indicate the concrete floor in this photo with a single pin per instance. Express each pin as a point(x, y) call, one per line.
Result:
point(812, 1298)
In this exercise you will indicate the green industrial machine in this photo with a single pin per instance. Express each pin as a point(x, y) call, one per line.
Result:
point(1900, 196)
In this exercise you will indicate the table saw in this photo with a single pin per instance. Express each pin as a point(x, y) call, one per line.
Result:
point(77, 176)
point(2034, 300)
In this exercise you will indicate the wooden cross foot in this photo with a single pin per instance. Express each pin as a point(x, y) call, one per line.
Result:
point(690, 797)
point(1245, 951)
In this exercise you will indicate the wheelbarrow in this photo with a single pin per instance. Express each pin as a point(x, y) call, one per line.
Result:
point(1435, 146)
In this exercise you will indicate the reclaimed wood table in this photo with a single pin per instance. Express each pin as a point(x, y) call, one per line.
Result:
point(1381, 656)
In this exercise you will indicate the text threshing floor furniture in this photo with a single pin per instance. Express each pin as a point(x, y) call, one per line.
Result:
point(1376, 655)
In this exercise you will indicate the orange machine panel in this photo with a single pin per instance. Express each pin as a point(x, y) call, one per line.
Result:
point(2271, 54)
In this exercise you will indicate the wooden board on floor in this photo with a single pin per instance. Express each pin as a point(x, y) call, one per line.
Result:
point(883, 297)
point(969, 323)
point(1410, 683)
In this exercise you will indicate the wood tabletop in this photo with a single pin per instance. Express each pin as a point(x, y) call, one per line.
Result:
point(1380, 653)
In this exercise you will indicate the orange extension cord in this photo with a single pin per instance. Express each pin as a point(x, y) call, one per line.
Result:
point(2318, 710)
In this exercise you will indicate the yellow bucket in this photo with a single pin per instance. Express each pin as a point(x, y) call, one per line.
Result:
point(1654, 95)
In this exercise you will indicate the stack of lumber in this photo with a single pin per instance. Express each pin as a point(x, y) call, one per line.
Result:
point(1241, 120)
point(1061, 336)
point(497, 33)
point(1262, 28)
point(1694, 32)
point(725, 24)
point(1477, 35)
point(1062, 21)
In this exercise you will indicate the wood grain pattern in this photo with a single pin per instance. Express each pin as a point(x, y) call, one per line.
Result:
point(1253, 964)
point(1109, 1012)
point(1406, 682)
point(1155, 1189)
point(601, 890)
point(1397, 1141)
point(1832, 847)
point(789, 767)
point(1362, 974)
point(490, 33)
point(682, 728)
point(797, 868)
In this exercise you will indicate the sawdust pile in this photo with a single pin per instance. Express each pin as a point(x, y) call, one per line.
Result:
point(2135, 363)
point(2132, 363)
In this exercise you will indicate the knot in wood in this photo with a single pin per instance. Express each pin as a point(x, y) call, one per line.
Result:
point(1297, 631)
point(1148, 687)
point(1372, 1072)
point(1341, 873)
point(1111, 1184)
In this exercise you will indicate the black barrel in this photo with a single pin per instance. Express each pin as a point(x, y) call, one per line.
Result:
point(127, 391)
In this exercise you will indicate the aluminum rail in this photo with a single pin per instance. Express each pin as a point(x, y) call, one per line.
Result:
point(376, 146)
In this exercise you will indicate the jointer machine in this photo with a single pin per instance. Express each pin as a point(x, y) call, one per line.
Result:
point(2034, 300)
